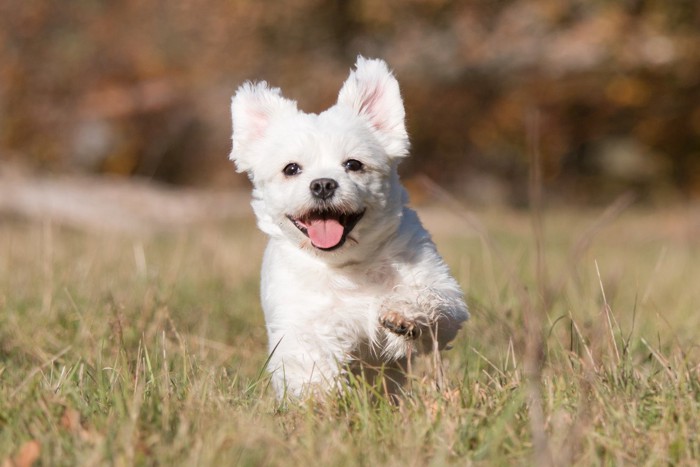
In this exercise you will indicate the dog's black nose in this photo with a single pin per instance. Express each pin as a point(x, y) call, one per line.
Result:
point(323, 188)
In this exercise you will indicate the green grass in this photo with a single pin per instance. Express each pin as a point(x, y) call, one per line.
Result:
point(118, 349)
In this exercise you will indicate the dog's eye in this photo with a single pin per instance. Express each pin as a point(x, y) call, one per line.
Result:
point(353, 165)
point(292, 169)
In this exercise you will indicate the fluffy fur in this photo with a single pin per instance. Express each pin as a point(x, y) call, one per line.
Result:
point(363, 300)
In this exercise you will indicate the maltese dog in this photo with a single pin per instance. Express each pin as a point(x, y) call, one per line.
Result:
point(351, 281)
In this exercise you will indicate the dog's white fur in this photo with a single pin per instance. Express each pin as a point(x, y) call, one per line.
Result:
point(327, 311)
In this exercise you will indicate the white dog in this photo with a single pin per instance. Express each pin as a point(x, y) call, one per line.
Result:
point(350, 278)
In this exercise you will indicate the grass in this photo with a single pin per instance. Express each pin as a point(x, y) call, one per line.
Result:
point(118, 349)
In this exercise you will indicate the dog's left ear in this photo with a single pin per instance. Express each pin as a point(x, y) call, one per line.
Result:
point(372, 92)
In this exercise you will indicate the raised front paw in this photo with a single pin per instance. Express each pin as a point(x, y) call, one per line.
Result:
point(399, 324)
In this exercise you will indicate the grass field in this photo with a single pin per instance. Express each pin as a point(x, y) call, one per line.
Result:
point(150, 349)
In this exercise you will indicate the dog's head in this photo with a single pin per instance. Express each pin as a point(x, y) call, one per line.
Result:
point(327, 182)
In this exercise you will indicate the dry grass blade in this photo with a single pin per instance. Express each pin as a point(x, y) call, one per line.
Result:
point(609, 318)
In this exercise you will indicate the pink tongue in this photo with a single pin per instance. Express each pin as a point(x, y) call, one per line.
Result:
point(325, 233)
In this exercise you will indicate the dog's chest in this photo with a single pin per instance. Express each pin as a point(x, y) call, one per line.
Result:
point(317, 299)
point(352, 291)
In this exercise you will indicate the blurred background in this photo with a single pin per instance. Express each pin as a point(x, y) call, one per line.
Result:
point(604, 94)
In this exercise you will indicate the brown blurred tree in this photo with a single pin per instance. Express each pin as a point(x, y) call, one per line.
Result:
point(143, 87)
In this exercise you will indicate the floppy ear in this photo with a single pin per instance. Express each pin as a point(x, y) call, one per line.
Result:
point(253, 107)
point(373, 93)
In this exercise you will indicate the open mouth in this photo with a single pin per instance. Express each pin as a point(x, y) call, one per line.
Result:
point(327, 229)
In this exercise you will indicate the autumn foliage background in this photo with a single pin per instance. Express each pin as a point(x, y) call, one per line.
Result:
point(605, 92)
point(130, 325)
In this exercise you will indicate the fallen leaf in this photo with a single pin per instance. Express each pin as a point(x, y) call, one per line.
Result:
point(28, 454)
point(70, 420)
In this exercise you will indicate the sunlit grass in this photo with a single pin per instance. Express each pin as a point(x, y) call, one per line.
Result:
point(151, 349)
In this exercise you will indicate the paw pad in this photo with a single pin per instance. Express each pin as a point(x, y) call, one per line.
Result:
point(398, 324)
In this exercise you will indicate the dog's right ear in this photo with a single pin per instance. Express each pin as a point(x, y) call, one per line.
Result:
point(253, 107)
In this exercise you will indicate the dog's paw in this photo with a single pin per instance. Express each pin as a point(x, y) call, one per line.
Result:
point(398, 324)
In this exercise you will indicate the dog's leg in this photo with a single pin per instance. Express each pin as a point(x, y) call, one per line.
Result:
point(418, 318)
point(300, 369)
